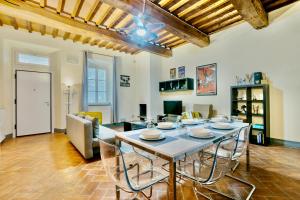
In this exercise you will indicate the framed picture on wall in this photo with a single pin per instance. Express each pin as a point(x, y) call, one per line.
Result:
point(206, 76)
point(173, 73)
point(124, 81)
point(181, 72)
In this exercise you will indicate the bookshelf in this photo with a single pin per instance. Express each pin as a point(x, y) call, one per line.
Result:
point(251, 103)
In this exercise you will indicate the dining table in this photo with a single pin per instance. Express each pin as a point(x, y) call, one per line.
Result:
point(176, 144)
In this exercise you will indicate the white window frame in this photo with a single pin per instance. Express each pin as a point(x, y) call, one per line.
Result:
point(96, 84)
point(17, 52)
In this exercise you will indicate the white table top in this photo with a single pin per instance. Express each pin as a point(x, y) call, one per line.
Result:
point(177, 142)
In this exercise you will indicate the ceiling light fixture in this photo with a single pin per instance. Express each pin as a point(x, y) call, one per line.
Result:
point(142, 28)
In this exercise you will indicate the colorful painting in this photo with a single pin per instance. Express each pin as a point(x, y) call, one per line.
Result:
point(181, 72)
point(206, 77)
point(173, 73)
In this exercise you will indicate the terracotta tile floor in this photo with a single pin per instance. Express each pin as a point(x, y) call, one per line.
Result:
point(48, 167)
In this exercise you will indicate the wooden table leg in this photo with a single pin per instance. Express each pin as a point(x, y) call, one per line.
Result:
point(248, 157)
point(172, 180)
point(117, 192)
point(117, 163)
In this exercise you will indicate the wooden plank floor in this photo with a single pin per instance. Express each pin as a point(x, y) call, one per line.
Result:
point(48, 167)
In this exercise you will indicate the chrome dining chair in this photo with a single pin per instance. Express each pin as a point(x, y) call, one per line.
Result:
point(130, 172)
point(205, 169)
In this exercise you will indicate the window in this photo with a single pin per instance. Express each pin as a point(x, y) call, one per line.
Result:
point(97, 89)
point(31, 59)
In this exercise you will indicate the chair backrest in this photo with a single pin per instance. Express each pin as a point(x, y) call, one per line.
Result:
point(221, 161)
point(109, 154)
point(243, 141)
point(123, 168)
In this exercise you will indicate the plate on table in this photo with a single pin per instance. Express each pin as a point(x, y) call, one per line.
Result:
point(222, 126)
point(201, 133)
point(151, 134)
point(217, 119)
point(166, 125)
point(161, 137)
point(192, 121)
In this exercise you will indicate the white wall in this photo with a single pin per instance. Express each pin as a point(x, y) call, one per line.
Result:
point(242, 49)
point(64, 72)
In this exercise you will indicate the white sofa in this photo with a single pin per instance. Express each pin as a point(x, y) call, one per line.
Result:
point(80, 134)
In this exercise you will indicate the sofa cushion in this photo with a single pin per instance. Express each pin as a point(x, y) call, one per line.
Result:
point(93, 114)
point(95, 124)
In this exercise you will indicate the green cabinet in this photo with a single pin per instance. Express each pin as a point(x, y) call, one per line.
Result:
point(184, 84)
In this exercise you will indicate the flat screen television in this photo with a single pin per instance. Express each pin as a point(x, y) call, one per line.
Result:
point(172, 107)
point(143, 110)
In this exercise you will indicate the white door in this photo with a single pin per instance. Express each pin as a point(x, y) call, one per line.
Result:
point(33, 106)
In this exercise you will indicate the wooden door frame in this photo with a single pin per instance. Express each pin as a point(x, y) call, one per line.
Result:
point(16, 99)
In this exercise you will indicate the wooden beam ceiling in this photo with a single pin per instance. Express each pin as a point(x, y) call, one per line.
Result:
point(93, 10)
point(43, 3)
point(43, 29)
point(172, 23)
point(36, 14)
point(60, 6)
point(77, 8)
point(252, 11)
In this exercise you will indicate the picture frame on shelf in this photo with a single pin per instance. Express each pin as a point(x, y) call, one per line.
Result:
point(172, 73)
point(181, 72)
point(206, 77)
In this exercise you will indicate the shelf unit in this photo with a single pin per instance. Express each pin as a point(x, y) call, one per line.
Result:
point(183, 84)
point(252, 104)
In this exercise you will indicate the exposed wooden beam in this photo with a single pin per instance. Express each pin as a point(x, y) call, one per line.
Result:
point(224, 24)
point(102, 44)
point(216, 17)
point(60, 6)
point(93, 10)
point(123, 16)
point(23, 10)
point(252, 11)
point(43, 29)
point(189, 6)
point(66, 35)
point(202, 16)
point(14, 23)
point(77, 8)
point(172, 23)
point(43, 3)
point(29, 26)
point(273, 5)
point(95, 42)
point(109, 12)
point(109, 45)
point(55, 33)
point(86, 40)
point(76, 38)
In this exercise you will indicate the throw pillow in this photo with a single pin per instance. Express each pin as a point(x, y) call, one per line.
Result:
point(95, 125)
point(196, 115)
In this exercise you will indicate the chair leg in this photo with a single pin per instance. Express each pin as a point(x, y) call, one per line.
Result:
point(235, 166)
point(245, 182)
point(237, 179)
point(196, 191)
point(221, 193)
